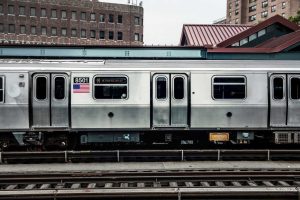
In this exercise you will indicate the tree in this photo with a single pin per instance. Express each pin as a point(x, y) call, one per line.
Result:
point(295, 19)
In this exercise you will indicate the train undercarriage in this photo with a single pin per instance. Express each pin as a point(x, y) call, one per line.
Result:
point(173, 139)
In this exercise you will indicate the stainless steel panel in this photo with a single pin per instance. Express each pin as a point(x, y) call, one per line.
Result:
point(243, 116)
point(110, 116)
point(179, 107)
point(161, 107)
point(41, 108)
point(60, 107)
point(293, 119)
point(14, 117)
point(278, 108)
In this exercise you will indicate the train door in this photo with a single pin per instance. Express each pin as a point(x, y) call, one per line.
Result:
point(285, 100)
point(170, 100)
point(50, 100)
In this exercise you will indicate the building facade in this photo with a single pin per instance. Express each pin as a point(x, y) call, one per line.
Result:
point(255, 11)
point(70, 22)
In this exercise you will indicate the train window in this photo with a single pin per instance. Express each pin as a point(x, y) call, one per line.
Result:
point(41, 88)
point(295, 88)
point(1, 89)
point(161, 88)
point(110, 87)
point(229, 88)
point(178, 88)
point(59, 88)
point(278, 88)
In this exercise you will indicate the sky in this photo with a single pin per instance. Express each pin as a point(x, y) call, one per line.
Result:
point(163, 19)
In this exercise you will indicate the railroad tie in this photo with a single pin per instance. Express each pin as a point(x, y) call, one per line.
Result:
point(45, 186)
point(91, 185)
point(30, 186)
point(11, 187)
point(75, 186)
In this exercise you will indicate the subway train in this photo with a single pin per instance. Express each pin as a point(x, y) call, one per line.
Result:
point(71, 103)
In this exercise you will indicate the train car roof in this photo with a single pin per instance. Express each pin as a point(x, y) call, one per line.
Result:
point(147, 65)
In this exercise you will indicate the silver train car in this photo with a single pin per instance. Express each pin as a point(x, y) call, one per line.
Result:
point(59, 103)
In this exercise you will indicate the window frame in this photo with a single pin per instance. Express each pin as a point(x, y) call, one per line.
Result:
point(114, 76)
point(284, 88)
point(167, 88)
point(65, 89)
point(290, 88)
point(3, 89)
point(229, 76)
point(35, 88)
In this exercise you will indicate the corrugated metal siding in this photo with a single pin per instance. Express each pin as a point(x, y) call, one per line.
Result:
point(211, 35)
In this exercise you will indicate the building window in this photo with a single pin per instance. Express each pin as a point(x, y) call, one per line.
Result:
point(1, 9)
point(111, 18)
point(11, 28)
point(102, 35)
point(236, 21)
point(120, 19)
point(11, 10)
point(229, 87)
point(64, 32)
point(252, 8)
point(83, 33)
point(136, 37)
point(74, 14)
point(1, 89)
point(22, 10)
point(237, 3)
point(273, 8)
point(278, 90)
point(283, 5)
point(120, 36)
point(252, 18)
point(244, 41)
point(43, 12)
point(295, 88)
point(283, 15)
point(110, 87)
point(264, 4)
point(1, 28)
point(53, 13)
point(93, 34)
point(33, 30)
point(64, 14)
point(136, 21)
point(32, 12)
point(22, 29)
point(83, 16)
point(264, 14)
point(44, 30)
point(261, 32)
point(252, 1)
point(74, 33)
point(252, 37)
point(54, 31)
point(102, 18)
point(93, 17)
point(111, 35)
point(236, 12)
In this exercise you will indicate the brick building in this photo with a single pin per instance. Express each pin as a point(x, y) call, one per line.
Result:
point(70, 22)
point(255, 11)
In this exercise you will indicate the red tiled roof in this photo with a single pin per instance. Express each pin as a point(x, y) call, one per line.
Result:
point(276, 19)
point(210, 35)
point(273, 45)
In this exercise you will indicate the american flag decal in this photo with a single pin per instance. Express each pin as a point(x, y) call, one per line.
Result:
point(81, 88)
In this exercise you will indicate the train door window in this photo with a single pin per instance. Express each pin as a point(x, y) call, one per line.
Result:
point(278, 90)
point(161, 88)
point(108, 87)
point(41, 88)
point(178, 88)
point(229, 87)
point(295, 88)
point(1, 89)
point(59, 88)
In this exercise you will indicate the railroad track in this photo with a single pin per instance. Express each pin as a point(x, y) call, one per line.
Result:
point(148, 156)
point(191, 184)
